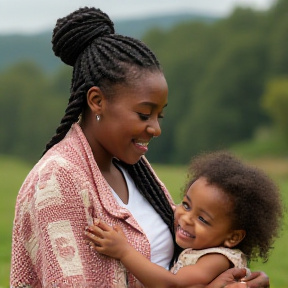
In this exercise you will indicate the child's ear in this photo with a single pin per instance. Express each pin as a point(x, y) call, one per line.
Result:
point(234, 238)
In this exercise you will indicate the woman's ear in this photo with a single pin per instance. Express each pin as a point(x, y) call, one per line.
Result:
point(95, 99)
point(234, 238)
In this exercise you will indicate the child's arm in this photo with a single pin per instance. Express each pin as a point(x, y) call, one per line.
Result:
point(113, 243)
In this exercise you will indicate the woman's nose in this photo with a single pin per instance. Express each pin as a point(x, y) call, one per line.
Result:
point(154, 128)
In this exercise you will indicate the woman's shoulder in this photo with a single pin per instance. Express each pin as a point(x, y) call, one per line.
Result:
point(49, 164)
point(45, 175)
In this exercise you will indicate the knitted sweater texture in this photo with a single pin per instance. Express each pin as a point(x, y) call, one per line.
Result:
point(60, 196)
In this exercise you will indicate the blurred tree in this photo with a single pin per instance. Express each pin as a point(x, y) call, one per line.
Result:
point(279, 47)
point(216, 75)
point(61, 81)
point(184, 53)
point(275, 101)
point(17, 89)
point(28, 111)
point(225, 104)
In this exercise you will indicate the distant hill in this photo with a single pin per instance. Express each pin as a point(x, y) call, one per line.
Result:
point(37, 48)
point(138, 27)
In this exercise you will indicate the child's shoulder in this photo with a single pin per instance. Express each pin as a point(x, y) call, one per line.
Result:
point(191, 256)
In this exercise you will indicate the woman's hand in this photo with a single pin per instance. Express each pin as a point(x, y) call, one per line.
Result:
point(257, 280)
point(235, 278)
point(107, 240)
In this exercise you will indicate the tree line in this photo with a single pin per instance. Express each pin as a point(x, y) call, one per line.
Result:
point(227, 81)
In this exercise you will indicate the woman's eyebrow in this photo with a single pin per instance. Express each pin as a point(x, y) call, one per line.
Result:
point(150, 104)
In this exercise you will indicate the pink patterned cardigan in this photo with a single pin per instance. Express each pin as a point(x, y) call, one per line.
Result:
point(59, 198)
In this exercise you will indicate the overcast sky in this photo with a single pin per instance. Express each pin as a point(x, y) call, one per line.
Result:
point(30, 16)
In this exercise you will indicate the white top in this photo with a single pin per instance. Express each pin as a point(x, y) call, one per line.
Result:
point(157, 232)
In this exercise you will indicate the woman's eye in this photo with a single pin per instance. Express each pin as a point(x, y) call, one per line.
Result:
point(160, 119)
point(203, 220)
point(144, 117)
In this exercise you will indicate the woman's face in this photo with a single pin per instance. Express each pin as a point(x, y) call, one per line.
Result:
point(130, 119)
point(202, 219)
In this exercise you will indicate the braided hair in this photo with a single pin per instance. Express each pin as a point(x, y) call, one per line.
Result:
point(86, 40)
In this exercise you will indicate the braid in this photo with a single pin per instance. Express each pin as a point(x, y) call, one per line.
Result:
point(72, 113)
point(85, 39)
point(150, 188)
point(73, 33)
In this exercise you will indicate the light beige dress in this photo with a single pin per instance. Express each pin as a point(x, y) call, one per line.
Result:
point(190, 256)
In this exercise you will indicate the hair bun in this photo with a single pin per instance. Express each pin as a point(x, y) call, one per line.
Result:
point(73, 33)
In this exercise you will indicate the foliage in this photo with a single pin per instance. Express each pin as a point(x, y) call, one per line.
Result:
point(217, 74)
point(274, 146)
point(27, 103)
point(275, 101)
point(218, 84)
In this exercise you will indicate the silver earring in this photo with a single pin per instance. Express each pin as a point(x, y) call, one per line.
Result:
point(79, 118)
point(97, 117)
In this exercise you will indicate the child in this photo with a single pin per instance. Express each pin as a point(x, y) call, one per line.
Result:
point(231, 214)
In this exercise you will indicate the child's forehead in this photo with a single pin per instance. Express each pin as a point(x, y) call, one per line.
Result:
point(204, 193)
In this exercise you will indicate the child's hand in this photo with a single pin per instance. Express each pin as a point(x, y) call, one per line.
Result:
point(107, 240)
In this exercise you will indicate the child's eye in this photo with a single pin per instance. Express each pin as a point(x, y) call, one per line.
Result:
point(203, 220)
point(144, 117)
point(185, 205)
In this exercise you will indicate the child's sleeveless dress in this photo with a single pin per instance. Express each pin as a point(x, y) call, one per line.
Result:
point(190, 257)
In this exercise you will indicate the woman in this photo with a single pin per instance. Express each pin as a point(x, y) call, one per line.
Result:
point(94, 167)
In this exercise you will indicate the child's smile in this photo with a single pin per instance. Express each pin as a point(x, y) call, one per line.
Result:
point(181, 232)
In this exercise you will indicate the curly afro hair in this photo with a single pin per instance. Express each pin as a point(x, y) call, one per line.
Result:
point(256, 201)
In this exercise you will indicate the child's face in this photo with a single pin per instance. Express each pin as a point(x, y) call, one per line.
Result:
point(202, 219)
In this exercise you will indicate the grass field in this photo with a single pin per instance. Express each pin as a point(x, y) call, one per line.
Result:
point(13, 172)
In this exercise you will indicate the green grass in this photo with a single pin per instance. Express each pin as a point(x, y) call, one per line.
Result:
point(173, 177)
point(13, 172)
